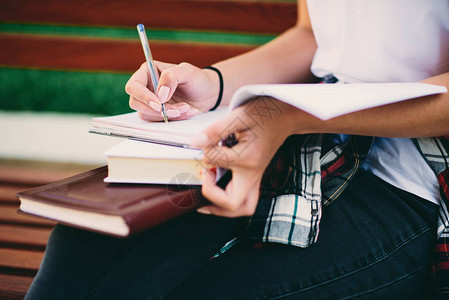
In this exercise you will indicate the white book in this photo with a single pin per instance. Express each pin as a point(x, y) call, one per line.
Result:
point(141, 162)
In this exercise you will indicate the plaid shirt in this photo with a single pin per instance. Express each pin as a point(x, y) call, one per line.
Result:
point(436, 152)
point(316, 173)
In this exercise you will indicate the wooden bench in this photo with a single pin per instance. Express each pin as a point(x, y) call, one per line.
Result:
point(23, 238)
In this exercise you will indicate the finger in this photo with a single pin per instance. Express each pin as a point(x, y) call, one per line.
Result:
point(220, 156)
point(175, 112)
point(218, 211)
point(210, 190)
point(247, 208)
point(244, 153)
point(227, 157)
point(186, 112)
point(232, 197)
point(154, 109)
point(137, 86)
point(187, 115)
point(153, 113)
point(212, 135)
point(150, 117)
point(162, 66)
point(158, 117)
point(173, 76)
point(139, 106)
point(140, 92)
point(240, 191)
point(171, 110)
point(183, 107)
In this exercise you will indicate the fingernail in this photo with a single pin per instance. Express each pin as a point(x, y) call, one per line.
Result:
point(193, 112)
point(209, 176)
point(163, 93)
point(203, 174)
point(173, 113)
point(199, 140)
point(203, 210)
point(184, 108)
point(155, 106)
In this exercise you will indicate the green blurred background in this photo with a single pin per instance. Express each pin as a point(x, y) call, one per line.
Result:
point(76, 56)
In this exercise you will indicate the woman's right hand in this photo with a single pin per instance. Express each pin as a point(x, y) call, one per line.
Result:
point(186, 90)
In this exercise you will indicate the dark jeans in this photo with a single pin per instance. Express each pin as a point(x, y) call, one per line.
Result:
point(375, 242)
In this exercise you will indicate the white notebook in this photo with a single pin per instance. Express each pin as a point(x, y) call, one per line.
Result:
point(327, 101)
point(324, 101)
point(175, 133)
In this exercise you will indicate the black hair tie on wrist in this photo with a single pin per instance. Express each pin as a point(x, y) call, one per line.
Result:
point(220, 93)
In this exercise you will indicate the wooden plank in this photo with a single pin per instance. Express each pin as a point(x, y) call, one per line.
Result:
point(26, 176)
point(8, 193)
point(24, 237)
point(9, 215)
point(242, 16)
point(103, 55)
point(20, 259)
point(14, 286)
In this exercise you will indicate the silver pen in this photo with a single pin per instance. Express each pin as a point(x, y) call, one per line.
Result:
point(154, 75)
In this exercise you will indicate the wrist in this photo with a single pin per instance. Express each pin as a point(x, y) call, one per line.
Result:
point(216, 92)
point(300, 122)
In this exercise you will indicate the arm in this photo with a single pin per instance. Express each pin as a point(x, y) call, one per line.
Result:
point(259, 140)
point(190, 89)
point(422, 117)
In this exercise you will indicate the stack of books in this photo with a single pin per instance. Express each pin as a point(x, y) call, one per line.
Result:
point(154, 176)
point(155, 152)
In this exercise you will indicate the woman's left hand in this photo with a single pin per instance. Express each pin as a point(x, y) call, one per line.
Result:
point(260, 127)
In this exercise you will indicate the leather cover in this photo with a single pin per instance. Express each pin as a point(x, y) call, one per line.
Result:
point(141, 206)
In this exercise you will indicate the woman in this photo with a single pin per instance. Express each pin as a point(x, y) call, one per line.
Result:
point(375, 239)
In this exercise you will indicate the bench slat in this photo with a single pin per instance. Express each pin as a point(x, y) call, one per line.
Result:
point(9, 215)
point(26, 176)
point(24, 237)
point(245, 16)
point(101, 54)
point(8, 193)
point(20, 259)
point(14, 286)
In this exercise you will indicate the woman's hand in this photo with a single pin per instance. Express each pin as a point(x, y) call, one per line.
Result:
point(260, 127)
point(187, 90)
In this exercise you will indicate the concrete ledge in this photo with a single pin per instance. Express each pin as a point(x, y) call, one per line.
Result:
point(51, 137)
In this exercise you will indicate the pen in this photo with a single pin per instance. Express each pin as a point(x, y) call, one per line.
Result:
point(154, 75)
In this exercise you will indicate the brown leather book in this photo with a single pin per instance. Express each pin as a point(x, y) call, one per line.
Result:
point(86, 201)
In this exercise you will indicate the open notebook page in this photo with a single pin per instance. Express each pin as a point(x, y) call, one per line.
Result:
point(178, 133)
point(327, 101)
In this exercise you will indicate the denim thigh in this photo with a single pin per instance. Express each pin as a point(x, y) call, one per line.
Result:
point(83, 265)
point(375, 242)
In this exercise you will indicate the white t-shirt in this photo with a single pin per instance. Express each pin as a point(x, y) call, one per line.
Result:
point(385, 41)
